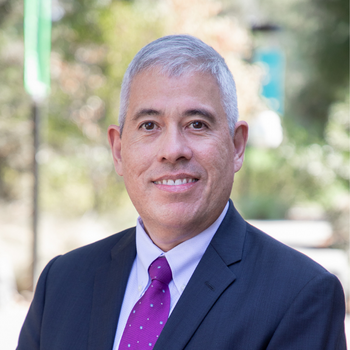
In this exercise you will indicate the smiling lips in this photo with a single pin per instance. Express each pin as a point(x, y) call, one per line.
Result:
point(175, 182)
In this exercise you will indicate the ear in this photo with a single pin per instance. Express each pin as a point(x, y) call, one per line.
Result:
point(240, 139)
point(114, 139)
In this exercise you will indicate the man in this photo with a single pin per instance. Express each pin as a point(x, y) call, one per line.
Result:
point(229, 286)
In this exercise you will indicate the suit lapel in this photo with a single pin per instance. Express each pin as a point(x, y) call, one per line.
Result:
point(211, 277)
point(109, 287)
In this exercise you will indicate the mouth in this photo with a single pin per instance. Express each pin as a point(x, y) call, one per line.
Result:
point(170, 182)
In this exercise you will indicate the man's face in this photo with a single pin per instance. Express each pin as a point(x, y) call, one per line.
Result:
point(176, 154)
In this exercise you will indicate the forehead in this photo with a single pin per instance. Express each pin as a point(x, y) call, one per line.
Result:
point(153, 88)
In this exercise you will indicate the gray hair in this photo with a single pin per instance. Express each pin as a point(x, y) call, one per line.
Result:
point(176, 55)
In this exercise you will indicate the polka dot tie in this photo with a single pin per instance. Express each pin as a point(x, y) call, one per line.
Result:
point(151, 311)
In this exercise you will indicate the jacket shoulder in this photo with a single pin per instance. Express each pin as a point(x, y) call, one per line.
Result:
point(278, 257)
point(92, 256)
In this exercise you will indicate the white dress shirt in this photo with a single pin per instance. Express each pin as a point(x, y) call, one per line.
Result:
point(183, 260)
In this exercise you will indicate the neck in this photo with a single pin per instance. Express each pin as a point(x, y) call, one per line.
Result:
point(168, 241)
point(167, 235)
point(168, 238)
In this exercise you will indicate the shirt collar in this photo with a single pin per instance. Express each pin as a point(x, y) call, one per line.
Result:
point(183, 259)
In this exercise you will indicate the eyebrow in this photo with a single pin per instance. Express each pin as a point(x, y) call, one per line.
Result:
point(188, 113)
point(144, 112)
point(201, 112)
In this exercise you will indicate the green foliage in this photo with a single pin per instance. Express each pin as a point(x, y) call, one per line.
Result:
point(15, 154)
point(298, 173)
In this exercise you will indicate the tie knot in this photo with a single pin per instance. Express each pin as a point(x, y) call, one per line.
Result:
point(160, 270)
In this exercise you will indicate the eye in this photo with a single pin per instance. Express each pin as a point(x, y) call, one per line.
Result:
point(148, 126)
point(197, 125)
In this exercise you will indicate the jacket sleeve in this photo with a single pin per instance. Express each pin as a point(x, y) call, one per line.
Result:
point(29, 338)
point(315, 319)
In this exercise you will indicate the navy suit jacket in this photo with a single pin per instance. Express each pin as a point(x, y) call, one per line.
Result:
point(249, 292)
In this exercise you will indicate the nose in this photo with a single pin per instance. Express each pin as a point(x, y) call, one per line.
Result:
point(174, 147)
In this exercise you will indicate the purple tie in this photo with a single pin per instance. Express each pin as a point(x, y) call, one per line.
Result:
point(151, 311)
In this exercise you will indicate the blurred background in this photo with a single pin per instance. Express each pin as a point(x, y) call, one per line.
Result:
point(290, 60)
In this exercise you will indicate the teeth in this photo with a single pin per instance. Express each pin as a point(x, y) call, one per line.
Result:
point(174, 183)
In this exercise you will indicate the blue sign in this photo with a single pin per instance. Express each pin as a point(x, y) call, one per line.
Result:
point(273, 62)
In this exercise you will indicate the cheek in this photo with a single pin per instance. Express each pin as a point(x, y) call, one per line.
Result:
point(135, 162)
point(217, 159)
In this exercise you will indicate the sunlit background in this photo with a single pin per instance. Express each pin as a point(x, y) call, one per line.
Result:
point(290, 60)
